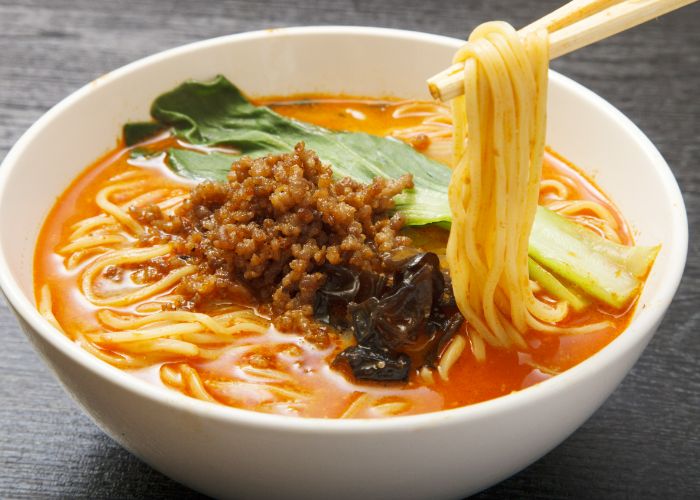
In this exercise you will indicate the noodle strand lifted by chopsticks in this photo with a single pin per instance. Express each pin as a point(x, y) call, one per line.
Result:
point(499, 133)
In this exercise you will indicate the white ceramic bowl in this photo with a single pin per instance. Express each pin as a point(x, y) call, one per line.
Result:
point(226, 452)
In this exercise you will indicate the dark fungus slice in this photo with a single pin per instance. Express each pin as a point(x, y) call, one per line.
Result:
point(449, 329)
point(405, 268)
point(331, 299)
point(415, 314)
point(399, 317)
point(344, 286)
point(362, 320)
point(375, 363)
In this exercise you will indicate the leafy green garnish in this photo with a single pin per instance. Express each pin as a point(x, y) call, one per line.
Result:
point(135, 132)
point(213, 166)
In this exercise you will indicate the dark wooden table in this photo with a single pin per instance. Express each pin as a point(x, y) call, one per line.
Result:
point(645, 440)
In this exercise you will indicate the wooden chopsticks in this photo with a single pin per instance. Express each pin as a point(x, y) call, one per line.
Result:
point(572, 26)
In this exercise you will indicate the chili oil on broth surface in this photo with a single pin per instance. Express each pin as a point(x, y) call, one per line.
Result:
point(265, 370)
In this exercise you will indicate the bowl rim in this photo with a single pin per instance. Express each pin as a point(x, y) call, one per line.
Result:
point(637, 331)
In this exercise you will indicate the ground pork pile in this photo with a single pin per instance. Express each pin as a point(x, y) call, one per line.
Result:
point(266, 233)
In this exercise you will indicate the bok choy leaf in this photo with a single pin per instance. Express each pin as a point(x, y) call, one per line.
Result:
point(610, 272)
point(555, 287)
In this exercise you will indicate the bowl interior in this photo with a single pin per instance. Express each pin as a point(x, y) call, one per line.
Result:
point(355, 61)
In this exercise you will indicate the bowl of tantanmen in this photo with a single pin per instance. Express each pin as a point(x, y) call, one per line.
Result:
point(448, 438)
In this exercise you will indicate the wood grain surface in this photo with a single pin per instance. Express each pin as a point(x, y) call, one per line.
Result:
point(645, 440)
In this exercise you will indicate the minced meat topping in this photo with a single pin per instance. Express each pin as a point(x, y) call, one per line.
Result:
point(265, 234)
